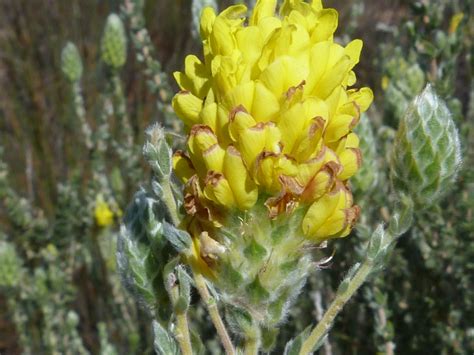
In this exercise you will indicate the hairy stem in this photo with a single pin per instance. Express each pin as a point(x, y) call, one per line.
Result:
point(336, 306)
point(382, 242)
point(182, 334)
point(251, 346)
point(214, 313)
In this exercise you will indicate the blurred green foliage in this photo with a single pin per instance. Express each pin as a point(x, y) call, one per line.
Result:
point(71, 128)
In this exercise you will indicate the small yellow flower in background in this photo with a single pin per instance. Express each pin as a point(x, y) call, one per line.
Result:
point(104, 216)
point(385, 82)
point(455, 21)
point(270, 114)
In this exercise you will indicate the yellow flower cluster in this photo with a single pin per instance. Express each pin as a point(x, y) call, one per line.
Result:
point(269, 114)
point(104, 216)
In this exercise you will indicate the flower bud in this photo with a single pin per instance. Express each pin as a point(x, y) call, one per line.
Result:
point(114, 43)
point(427, 152)
point(71, 63)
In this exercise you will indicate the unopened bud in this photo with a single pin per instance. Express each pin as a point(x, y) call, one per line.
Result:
point(427, 152)
point(71, 63)
point(114, 43)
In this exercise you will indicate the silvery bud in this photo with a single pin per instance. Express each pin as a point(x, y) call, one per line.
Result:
point(427, 152)
point(114, 42)
point(71, 63)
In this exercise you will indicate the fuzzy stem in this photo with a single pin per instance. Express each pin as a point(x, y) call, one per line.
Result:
point(336, 306)
point(400, 222)
point(214, 313)
point(81, 115)
point(251, 346)
point(182, 327)
point(182, 334)
point(120, 108)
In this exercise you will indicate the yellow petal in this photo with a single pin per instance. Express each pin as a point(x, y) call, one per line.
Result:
point(262, 9)
point(338, 127)
point(201, 138)
point(242, 95)
point(333, 78)
point(317, 5)
point(217, 189)
point(321, 183)
point(327, 216)
point(214, 158)
point(310, 143)
point(240, 120)
point(196, 71)
point(362, 97)
point(187, 107)
point(319, 57)
point(351, 160)
point(291, 124)
point(208, 16)
point(208, 116)
point(282, 74)
point(249, 43)
point(264, 171)
point(182, 166)
point(244, 189)
point(252, 142)
point(265, 104)
point(353, 50)
point(327, 24)
point(221, 39)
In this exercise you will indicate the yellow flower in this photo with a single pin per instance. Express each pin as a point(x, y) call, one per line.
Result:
point(385, 82)
point(455, 22)
point(270, 114)
point(104, 216)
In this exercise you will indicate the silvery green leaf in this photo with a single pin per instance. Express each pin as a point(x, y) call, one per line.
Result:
point(293, 347)
point(197, 345)
point(164, 343)
point(158, 153)
point(347, 279)
point(375, 242)
point(179, 239)
point(184, 285)
point(139, 255)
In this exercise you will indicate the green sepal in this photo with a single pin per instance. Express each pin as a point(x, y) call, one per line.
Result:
point(269, 338)
point(256, 292)
point(231, 276)
point(255, 251)
point(240, 321)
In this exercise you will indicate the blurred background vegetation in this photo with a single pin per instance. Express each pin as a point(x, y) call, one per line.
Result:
point(59, 292)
